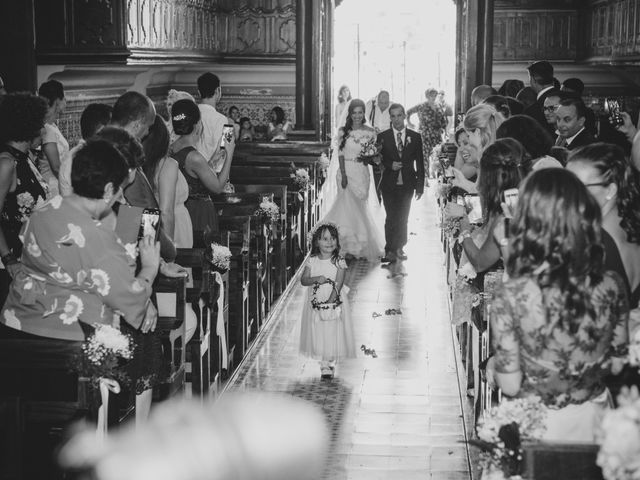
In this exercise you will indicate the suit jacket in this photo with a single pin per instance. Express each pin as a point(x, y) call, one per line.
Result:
point(140, 194)
point(583, 138)
point(412, 161)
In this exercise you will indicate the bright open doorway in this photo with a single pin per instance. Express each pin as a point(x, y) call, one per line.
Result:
point(404, 47)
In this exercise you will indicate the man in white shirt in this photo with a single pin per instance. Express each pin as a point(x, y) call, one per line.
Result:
point(212, 122)
point(377, 112)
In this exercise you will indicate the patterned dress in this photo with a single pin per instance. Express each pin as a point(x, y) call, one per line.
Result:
point(432, 125)
point(565, 368)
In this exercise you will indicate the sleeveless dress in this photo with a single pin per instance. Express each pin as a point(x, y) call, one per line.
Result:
point(355, 210)
point(202, 211)
point(326, 340)
point(183, 230)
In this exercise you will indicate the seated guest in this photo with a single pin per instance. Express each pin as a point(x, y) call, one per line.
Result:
point(549, 107)
point(575, 87)
point(535, 140)
point(75, 271)
point(246, 130)
point(614, 184)
point(560, 319)
point(466, 157)
point(22, 117)
point(481, 123)
point(279, 127)
point(570, 118)
point(201, 178)
point(235, 120)
point(94, 117)
point(499, 171)
point(500, 103)
point(169, 185)
point(54, 146)
point(480, 93)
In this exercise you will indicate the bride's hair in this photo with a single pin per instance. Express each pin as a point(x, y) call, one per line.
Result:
point(348, 125)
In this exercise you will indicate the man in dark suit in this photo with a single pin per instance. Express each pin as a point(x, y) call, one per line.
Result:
point(403, 175)
point(541, 81)
point(571, 117)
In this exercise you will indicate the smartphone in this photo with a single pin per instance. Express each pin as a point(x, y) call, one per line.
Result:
point(474, 208)
point(612, 107)
point(227, 135)
point(511, 199)
point(150, 223)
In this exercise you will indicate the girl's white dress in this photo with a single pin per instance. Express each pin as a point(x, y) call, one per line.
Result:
point(321, 339)
point(355, 209)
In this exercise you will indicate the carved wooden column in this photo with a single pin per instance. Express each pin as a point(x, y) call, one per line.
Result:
point(304, 27)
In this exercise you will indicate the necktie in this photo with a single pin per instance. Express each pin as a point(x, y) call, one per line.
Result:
point(400, 148)
point(561, 141)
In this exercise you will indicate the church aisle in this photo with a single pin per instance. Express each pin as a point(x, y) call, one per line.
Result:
point(397, 416)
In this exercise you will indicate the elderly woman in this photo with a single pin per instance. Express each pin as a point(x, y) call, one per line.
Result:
point(21, 186)
point(560, 320)
point(75, 271)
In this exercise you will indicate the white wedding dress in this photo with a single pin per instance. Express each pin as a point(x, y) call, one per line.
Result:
point(355, 209)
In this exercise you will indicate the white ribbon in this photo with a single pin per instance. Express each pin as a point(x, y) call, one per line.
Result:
point(106, 385)
point(220, 330)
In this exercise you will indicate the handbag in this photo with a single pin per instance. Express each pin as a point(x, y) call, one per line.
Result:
point(327, 311)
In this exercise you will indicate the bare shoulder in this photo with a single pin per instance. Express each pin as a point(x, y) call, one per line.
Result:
point(367, 128)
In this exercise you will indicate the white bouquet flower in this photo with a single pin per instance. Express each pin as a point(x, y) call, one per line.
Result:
point(268, 209)
point(323, 161)
point(300, 177)
point(220, 256)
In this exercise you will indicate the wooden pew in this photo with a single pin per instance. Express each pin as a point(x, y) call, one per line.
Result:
point(259, 263)
point(552, 461)
point(239, 234)
point(281, 269)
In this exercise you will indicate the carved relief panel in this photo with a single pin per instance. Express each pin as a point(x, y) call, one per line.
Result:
point(614, 29)
point(531, 34)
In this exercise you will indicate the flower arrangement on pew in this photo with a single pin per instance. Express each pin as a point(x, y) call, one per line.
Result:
point(619, 438)
point(102, 355)
point(300, 177)
point(220, 257)
point(502, 431)
point(323, 162)
point(268, 210)
point(450, 227)
point(442, 191)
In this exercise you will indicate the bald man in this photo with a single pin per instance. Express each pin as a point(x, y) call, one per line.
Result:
point(480, 93)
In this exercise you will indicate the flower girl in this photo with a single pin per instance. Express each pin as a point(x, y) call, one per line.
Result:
point(326, 331)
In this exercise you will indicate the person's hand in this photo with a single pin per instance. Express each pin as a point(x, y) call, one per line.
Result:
point(458, 180)
point(344, 182)
point(149, 253)
point(396, 166)
point(173, 270)
point(150, 319)
point(453, 210)
point(377, 159)
point(418, 196)
point(321, 279)
point(13, 269)
point(508, 213)
point(465, 225)
point(333, 297)
point(490, 373)
point(627, 127)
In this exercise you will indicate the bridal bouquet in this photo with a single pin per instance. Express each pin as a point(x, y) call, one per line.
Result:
point(501, 432)
point(369, 149)
point(268, 209)
point(619, 438)
point(300, 177)
point(102, 353)
point(220, 256)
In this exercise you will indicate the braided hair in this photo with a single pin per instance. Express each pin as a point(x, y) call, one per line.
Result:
point(348, 125)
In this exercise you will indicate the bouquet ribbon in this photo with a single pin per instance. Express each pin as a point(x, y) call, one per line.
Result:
point(106, 385)
point(220, 331)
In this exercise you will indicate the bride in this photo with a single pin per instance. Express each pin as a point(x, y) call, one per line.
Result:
point(355, 209)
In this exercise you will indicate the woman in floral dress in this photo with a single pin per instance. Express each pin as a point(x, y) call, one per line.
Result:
point(432, 122)
point(76, 272)
point(559, 324)
point(21, 186)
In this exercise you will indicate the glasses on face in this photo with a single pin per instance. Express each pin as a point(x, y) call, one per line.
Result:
point(597, 184)
point(550, 108)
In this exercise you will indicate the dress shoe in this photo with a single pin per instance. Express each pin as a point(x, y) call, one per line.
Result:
point(401, 255)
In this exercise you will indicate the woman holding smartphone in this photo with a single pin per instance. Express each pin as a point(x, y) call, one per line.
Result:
point(201, 177)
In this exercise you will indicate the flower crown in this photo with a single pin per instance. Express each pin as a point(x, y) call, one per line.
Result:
point(180, 116)
point(318, 227)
